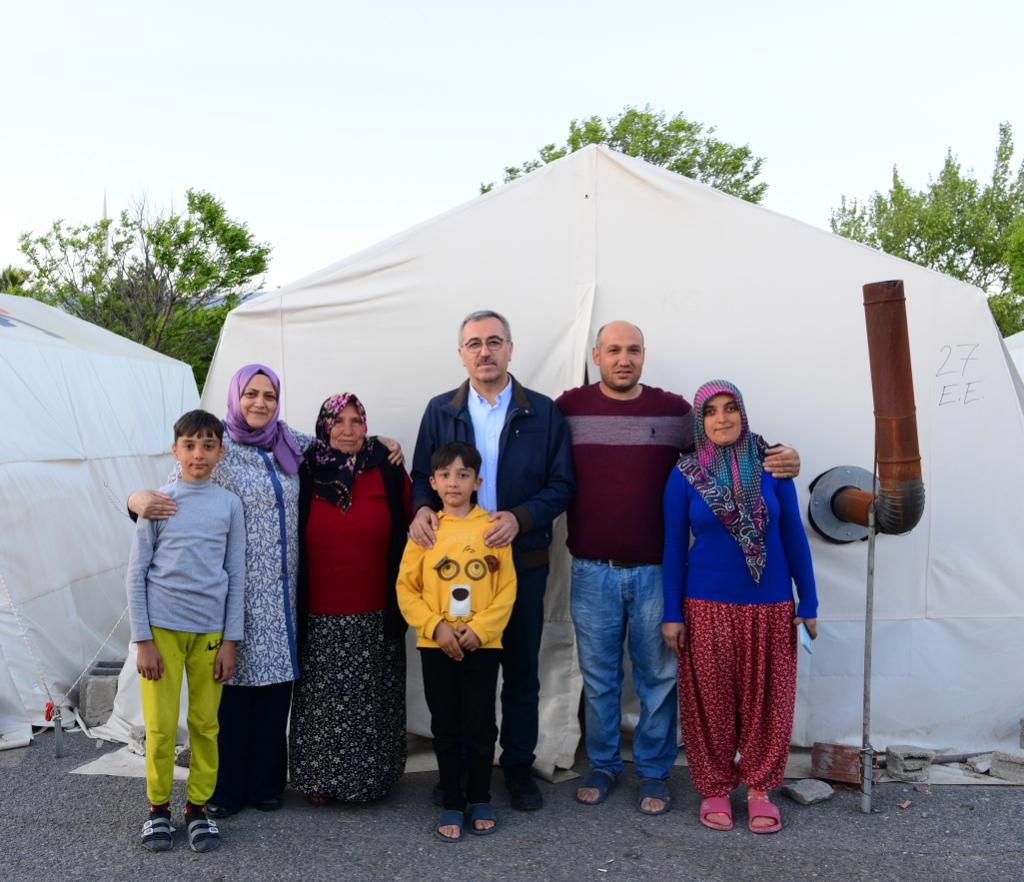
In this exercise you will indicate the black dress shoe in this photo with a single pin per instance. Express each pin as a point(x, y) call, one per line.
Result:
point(219, 811)
point(268, 805)
point(523, 792)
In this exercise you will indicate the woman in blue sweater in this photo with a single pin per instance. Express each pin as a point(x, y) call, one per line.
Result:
point(729, 609)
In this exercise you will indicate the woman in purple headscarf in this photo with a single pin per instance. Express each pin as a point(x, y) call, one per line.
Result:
point(261, 466)
point(733, 589)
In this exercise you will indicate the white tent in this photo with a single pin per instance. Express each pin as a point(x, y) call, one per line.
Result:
point(1015, 346)
point(86, 419)
point(720, 288)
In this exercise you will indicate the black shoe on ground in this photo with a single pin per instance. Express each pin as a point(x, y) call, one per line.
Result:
point(523, 792)
point(268, 805)
point(219, 811)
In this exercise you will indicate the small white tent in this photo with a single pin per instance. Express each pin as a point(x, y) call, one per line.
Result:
point(86, 419)
point(720, 288)
point(1015, 346)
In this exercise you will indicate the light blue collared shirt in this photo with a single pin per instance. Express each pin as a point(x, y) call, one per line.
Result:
point(488, 421)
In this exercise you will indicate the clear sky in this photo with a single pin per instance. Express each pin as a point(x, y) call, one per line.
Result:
point(327, 126)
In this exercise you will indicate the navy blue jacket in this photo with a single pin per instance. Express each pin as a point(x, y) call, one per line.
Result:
point(535, 480)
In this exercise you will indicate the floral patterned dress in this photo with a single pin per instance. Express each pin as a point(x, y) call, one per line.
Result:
point(270, 499)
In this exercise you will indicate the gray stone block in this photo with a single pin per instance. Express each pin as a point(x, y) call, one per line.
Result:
point(96, 697)
point(137, 740)
point(108, 667)
point(1008, 766)
point(183, 756)
point(980, 764)
point(808, 791)
point(907, 762)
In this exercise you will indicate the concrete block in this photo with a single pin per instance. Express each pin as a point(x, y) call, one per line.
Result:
point(96, 697)
point(907, 762)
point(980, 764)
point(1008, 766)
point(104, 667)
point(808, 791)
point(182, 755)
point(137, 740)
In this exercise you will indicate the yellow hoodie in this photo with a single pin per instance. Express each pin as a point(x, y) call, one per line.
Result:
point(460, 581)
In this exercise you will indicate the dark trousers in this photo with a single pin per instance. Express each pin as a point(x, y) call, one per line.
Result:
point(520, 690)
point(460, 695)
point(252, 744)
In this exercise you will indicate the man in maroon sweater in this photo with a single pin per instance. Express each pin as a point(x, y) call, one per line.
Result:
point(626, 437)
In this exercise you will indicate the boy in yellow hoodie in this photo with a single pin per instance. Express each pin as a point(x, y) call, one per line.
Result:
point(458, 597)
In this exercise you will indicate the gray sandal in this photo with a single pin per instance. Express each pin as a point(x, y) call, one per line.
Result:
point(203, 834)
point(157, 833)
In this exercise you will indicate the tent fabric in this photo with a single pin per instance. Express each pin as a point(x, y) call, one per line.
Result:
point(598, 236)
point(86, 419)
point(1015, 346)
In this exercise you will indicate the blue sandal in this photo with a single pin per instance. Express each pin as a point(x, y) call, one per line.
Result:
point(653, 788)
point(450, 818)
point(482, 811)
point(601, 781)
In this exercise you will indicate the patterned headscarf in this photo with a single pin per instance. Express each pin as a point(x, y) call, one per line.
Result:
point(728, 479)
point(335, 472)
point(274, 435)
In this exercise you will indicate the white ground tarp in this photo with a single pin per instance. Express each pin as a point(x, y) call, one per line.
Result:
point(86, 418)
point(721, 288)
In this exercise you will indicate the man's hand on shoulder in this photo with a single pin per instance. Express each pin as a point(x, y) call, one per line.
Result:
point(423, 529)
point(782, 462)
point(505, 529)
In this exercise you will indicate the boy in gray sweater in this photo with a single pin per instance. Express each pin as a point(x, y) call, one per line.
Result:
point(186, 578)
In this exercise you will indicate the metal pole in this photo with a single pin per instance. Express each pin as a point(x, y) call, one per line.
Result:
point(867, 751)
point(58, 734)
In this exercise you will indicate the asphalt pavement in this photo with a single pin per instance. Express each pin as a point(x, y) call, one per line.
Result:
point(57, 825)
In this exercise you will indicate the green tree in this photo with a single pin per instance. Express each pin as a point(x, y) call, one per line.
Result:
point(13, 279)
point(166, 280)
point(677, 143)
point(957, 225)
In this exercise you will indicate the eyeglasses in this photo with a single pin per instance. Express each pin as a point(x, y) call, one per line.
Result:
point(475, 344)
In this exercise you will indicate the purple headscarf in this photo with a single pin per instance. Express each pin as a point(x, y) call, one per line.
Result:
point(274, 436)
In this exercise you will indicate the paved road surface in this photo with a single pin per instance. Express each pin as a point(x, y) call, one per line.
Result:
point(55, 825)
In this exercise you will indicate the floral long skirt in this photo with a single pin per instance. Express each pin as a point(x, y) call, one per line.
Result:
point(347, 737)
point(737, 690)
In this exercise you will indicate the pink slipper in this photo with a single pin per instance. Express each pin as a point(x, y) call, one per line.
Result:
point(716, 805)
point(759, 806)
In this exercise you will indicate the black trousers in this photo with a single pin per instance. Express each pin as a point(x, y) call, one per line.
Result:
point(460, 695)
point(520, 677)
point(252, 744)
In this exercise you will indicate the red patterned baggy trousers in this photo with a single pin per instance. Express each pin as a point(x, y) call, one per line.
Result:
point(737, 690)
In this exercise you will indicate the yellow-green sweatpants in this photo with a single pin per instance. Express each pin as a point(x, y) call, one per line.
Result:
point(193, 654)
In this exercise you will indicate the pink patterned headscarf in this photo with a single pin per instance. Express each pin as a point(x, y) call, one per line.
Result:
point(728, 479)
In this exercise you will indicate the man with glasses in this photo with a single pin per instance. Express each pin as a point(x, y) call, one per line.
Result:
point(527, 482)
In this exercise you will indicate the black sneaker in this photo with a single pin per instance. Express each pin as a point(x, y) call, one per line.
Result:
point(523, 792)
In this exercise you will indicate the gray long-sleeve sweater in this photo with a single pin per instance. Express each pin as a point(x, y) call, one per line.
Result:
point(187, 573)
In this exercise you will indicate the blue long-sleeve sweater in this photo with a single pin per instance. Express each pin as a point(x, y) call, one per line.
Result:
point(187, 573)
point(714, 568)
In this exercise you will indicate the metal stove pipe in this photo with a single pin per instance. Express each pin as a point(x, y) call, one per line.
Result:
point(843, 492)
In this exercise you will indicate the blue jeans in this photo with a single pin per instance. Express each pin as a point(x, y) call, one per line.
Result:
point(607, 603)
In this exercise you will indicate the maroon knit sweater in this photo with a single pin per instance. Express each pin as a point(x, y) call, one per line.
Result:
point(622, 453)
